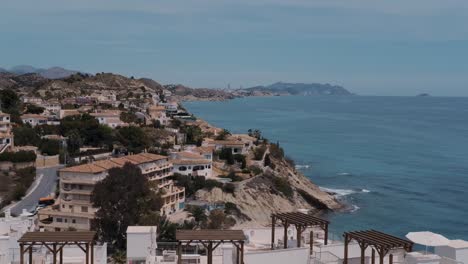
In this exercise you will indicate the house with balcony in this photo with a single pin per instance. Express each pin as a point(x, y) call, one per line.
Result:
point(109, 118)
point(237, 147)
point(34, 119)
point(73, 207)
point(6, 135)
point(191, 164)
point(158, 112)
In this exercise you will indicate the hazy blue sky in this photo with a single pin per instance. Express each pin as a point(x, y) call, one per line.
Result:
point(391, 47)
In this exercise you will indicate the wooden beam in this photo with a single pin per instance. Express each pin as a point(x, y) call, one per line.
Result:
point(61, 255)
point(210, 252)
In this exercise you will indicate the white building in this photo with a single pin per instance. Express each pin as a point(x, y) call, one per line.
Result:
point(191, 164)
point(11, 229)
point(110, 118)
point(6, 135)
point(74, 208)
point(141, 244)
point(34, 119)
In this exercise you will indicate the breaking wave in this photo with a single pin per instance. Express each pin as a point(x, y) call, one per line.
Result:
point(344, 192)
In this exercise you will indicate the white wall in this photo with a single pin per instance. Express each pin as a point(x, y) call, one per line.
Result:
point(138, 245)
point(282, 256)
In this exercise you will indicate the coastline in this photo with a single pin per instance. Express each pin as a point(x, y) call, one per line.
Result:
point(254, 195)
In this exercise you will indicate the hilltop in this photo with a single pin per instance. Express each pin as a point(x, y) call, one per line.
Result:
point(51, 73)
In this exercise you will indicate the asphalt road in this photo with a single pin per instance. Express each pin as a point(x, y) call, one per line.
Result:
point(45, 187)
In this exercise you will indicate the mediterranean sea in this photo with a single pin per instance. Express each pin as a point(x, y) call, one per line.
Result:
point(401, 163)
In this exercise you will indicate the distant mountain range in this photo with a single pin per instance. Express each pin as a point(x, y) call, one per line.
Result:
point(282, 88)
point(50, 73)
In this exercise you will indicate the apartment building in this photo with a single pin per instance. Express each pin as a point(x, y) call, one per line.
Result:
point(6, 136)
point(74, 209)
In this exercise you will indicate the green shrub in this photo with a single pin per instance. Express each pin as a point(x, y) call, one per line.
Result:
point(255, 170)
point(20, 156)
point(259, 151)
point(282, 185)
point(229, 188)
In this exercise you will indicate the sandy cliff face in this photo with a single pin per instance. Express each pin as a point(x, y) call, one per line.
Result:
point(259, 197)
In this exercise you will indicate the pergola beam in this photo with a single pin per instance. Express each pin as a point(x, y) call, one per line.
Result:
point(301, 221)
point(382, 242)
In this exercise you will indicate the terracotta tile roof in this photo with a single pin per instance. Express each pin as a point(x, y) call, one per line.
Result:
point(227, 142)
point(204, 149)
point(190, 162)
point(33, 116)
point(188, 155)
point(104, 165)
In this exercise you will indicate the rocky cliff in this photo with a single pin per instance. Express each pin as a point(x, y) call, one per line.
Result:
point(282, 189)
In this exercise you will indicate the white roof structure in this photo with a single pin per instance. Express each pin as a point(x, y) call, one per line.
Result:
point(458, 243)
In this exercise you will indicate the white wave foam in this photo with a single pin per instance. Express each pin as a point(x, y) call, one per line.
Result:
point(344, 192)
point(343, 174)
point(354, 208)
point(302, 166)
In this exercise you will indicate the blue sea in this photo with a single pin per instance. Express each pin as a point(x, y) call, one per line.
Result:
point(401, 163)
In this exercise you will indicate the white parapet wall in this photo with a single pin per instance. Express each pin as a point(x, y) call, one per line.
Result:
point(279, 256)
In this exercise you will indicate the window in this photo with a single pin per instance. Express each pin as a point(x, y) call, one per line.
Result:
point(60, 220)
point(182, 168)
point(84, 209)
point(73, 221)
point(66, 220)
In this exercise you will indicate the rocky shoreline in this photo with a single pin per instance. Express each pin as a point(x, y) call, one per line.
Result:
point(261, 195)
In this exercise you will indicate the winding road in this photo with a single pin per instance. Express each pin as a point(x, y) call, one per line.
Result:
point(43, 187)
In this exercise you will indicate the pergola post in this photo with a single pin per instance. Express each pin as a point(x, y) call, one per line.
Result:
point(298, 235)
point(61, 256)
point(30, 254)
point(237, 255)
point(311, 242)
point(54, 253)
point(373, 256)
point(87, 253)
point(390, 259)
point(210, 252)
point(242, 252)
point(179, 252)
point(21, 253)
point(363, 252)
point(285, 224)
point(326, 234)
point(346, 241)
point(92, 252)
point(381, 256)
point(273, 223)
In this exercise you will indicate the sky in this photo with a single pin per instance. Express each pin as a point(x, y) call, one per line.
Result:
point(371, 47)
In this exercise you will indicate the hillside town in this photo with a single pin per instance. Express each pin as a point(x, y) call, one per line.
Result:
point(106, 169)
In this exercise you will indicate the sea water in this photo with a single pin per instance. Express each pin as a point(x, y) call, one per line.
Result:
point(400, 163)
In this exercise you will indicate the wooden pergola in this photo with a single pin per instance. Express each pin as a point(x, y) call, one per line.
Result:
point(301, 221)
point(211, 239)
point(379, 241)
point(55, 242)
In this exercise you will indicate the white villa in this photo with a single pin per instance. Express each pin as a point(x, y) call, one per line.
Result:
point(73, 207)
point(191, 164)
point(34, 119)
point(110, 118)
